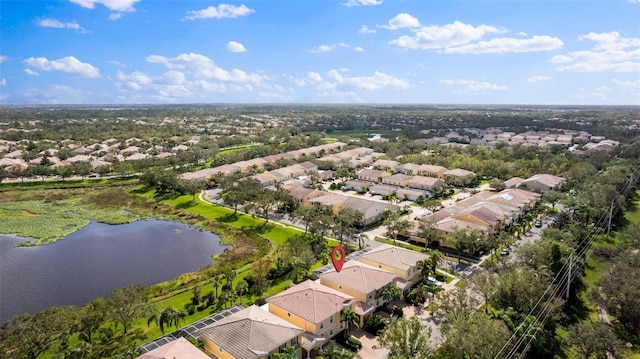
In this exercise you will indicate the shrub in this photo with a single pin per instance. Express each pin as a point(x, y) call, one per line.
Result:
point(190, 308)
point(375, 325)
point(353, 343)
point(605, 252)
point(397, 312)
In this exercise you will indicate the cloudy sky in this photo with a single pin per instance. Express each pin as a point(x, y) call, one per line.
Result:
point(320, 51)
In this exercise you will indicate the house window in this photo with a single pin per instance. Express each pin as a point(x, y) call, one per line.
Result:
point(331, 319)
point(379, 265)
point(294, 341)
point(288, 314)
point(281, 348)
point(339, 287)
point(321, 325)
point(331, 333)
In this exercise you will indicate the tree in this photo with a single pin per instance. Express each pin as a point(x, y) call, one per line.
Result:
point(475, 336)
point(345, 223)
point(90, 318)
point(483, 283)
point(424, 266)
point(168, 316)
point(391, 293)
point(396, 224)
point(406, 338)
point(28, 336)
point(286, 353)
point(433, 290)
point(591, 339)
point(553, 197)
point(436, 258)
point(242, 287)
point(127, 304)
point(350, 319)
point(217, 282)
point(497, 184)
point(456, 305)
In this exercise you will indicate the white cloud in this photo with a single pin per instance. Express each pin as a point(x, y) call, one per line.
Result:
point(358, 49)
point(351, 3)
point(328, 48)
point(3, 82)
point(3, 59)
point(366, 30)
point(314, 76)
point(220, 12)
point(633, 84)
point(473, 86)
point(115, 16)
point(234, 46)
point(436, 37)
point(57, 24)
point(68, 64)
point(203, 66)
point(30, 72)
point(54, 94)
point(378, 80)
point(522, 33)
point(534, 79)
point(401, 21)
point(611, 52)
point(505, 44)
point(113, 5)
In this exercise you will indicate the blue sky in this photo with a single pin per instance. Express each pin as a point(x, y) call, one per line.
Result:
point(320, 51)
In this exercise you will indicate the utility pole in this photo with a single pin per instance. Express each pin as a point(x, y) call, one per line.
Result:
point(569, 276)
point(610, 217)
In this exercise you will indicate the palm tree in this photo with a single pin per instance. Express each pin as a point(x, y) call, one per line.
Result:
point(350, 318)
point(424, 267)
point(362, 239)
point(391, 293)
point(229, 275)
point(436, 258)
point(241, 288)
point(433, 290)
point(217, 282)
point(168, 316)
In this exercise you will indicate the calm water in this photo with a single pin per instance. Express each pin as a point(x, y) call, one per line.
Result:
point(92, 262)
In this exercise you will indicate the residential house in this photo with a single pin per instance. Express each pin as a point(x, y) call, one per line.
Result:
point(266, 179)
point(382, 190)
point(313, 307)
point(372, 175)
point(372, 211)
point(386, 165)
point(303, 195)
point(543, 183)
point(411, 194)
point(330, 200)
point(253, 165)
point(400, 261)
point(425, 183)
point(358, 186)
point(432, 171)
point(410, 169)
point(361, 281)
point(176, 349)
point(248, 334)
point(513, 182)
point(459, 177)
point(397, 179)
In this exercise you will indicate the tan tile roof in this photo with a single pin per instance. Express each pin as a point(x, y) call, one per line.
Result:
point(250, 333)
point(359, 276)
point(177, 349)
point(395, 257)
point(311, 301)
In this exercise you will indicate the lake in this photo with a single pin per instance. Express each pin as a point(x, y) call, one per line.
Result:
point(90, 263)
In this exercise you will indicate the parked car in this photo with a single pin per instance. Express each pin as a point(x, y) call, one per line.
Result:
point(505, 252)
point(539, 224)
point(432, 281)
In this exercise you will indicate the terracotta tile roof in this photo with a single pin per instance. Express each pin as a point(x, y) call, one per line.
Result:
point(359, 276)
point(177, 349)
point(395, 257)
point(250, 333)
point(311, 301)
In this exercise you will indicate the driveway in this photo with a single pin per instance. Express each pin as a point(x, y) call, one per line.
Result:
point(368, 341)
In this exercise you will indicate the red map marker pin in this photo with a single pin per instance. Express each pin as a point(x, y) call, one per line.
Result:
point(338, 262)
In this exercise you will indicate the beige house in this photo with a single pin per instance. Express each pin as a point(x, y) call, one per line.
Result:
point(313, 307)
point(177, 349)
point(361, 281)
point(458, 176)
point(425, 183)
point(398, 179)
point(400, 261)
point(372, 175)
point(372, 211)
point(432, 171)
point(410, 169)
point(542, 183)
point(248, 334)
point(386, 165)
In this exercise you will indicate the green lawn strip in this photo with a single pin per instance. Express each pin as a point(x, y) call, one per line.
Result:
point(399, 244)
point(634, 216)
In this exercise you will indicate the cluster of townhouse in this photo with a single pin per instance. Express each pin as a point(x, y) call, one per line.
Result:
point(407, 181)
point(307, 315)
point(103, 153)
point(488, 212)
point(543, 139)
